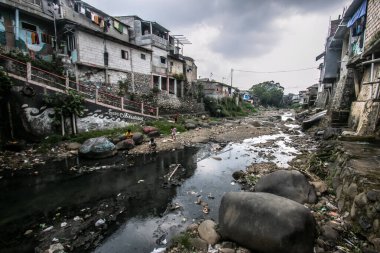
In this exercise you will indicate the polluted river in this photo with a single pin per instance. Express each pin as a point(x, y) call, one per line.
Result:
point(137, 203)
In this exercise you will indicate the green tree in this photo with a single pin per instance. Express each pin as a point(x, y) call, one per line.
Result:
point(270, 93)
point(65, 106)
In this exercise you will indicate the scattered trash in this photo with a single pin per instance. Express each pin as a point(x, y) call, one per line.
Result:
point(63, 224)
point(48, 229)
point(77, 218)
point(28, 232)
point(206, 210)
point(232, 183)
point(99, 222)
point(140, 181)
point(55, 240)
point(119, 194)
point(159, 250)
point(217, 158)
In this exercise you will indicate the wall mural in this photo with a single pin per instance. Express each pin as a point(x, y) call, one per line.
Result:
point(40, 119)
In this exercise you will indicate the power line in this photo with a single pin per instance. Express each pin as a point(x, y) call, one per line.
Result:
point(272, 72)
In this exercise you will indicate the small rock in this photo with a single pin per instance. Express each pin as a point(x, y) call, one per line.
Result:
point(361, 199)
point(238, 174)
point(63, 224)
point(199, 244)
point(73, 146)
point(319, 186)
point(217, 158)
point(330, 233)
point(56, 248)
point(208, 233)
point(373, 195)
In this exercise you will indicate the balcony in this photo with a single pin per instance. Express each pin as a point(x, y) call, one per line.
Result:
point(152, 39)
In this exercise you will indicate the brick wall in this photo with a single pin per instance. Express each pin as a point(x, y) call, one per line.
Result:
point(373, 21)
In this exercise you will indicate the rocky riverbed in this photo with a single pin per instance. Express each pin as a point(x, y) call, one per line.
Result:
point(140, 200)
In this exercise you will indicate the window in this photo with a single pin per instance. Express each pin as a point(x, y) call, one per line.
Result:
point(143, 56)
point(163, 60)
point(124, 54)
point(38, 2)
point(29, 27)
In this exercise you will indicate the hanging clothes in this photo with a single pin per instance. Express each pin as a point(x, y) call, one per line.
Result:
point(92, 17)
point(33, 38)
point(101, 23)
point(82, 10)
point(96, 19)
point(118, 26)
point(88, 13)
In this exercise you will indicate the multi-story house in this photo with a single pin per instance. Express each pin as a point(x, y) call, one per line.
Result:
point(216, 89)
point(29, 26)
point(356, 42)
point(170, 69)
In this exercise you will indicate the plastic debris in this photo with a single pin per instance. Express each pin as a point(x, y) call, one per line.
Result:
point(63, 224)
point(48, 229)
point(159, 250)
point(140, 181)
point(99, 222)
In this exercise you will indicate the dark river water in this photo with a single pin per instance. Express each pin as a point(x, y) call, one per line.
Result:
point(25, 199)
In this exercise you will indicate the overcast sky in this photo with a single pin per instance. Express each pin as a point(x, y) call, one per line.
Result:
point(254, 35)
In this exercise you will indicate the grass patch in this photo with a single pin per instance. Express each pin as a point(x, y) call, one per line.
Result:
point(52, 140)
point(183, 239)
point(165, 126)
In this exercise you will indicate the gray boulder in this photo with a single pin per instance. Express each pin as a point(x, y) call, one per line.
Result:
point(154, 134)
point(290, 184)
point(266, 223)
point(138, 138)
point(126, 144)
point(97, 148)
point(190, 126)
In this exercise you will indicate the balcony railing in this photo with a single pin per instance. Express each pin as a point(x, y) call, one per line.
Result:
point(24, 71)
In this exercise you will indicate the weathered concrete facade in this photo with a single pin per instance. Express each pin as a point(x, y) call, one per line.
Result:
point(356, 92)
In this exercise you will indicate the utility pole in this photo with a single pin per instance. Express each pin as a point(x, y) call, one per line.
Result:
point(232, 74)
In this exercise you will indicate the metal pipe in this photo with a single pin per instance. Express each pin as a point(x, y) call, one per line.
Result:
point(372, 74)
point(369, 62)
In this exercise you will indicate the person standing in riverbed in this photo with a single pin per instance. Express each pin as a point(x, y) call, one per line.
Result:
point(174, 133)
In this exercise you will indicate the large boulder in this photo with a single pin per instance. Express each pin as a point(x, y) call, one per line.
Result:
point(138, 138)
point(290, 184)
point(148, 129)
point(266, 223)
point(154, 134)
point(126, 144)
point(97, 148)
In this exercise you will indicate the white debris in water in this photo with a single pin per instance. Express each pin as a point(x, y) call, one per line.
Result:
point(55, 240)
point(164, 242)
point(77, 218)
point(99, 222)
point(140, 181)
point(63, 224)
point(48, 229)
point(232, 183)
point(159, 250)
point(119, 194)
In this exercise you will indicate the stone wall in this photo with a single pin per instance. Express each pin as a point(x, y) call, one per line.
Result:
point(344, 93)
point(142, 83)
point(171, 104)
point(373, 22)
point(356, 181)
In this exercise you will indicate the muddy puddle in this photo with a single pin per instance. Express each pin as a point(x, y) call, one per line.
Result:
point(69, 186)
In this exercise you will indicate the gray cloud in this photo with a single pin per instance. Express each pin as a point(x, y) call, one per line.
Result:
point(247, 26)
